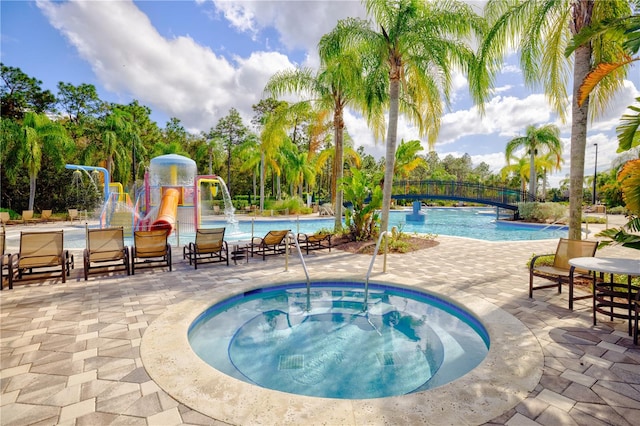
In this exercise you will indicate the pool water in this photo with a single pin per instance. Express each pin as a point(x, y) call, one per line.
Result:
point(460, 222)
point(325, 344)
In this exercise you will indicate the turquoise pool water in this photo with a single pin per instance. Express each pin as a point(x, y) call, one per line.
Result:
point(325, 344)
point(475, 223)
point(460, 222)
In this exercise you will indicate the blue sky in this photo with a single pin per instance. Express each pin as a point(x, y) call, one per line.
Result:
point(195, 60)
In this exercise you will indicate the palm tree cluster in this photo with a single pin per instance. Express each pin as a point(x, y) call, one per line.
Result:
point(399, 61)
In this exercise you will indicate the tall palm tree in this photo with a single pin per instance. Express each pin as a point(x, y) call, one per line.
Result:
point(537, 142)
point(338, 83)
point(37, 135)
point(416, 48)
point(626, 28)
point(541, 30)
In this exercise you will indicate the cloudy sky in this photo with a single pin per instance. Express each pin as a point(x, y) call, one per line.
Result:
point(196, 59)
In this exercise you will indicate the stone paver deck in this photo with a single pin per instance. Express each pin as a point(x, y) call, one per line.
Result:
point(70, 353)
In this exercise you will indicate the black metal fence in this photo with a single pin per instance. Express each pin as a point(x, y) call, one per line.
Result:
point(506, 198)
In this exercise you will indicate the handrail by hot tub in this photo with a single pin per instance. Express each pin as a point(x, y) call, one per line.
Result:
point(304, 265)
point(373, 259)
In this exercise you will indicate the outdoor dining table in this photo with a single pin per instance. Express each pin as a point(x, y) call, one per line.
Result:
point(608, 296)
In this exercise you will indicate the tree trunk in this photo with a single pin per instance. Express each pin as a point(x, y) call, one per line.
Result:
point(32, 191)
point(390, 155)
point(532, 174)
point(579, 115)
point(338, 125)
point(261, 182)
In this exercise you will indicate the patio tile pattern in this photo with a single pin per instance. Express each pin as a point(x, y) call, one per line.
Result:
point(70, 353)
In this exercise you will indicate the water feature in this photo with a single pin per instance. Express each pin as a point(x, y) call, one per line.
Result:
point(407, 341)
point(85, 194)
point(229, 210)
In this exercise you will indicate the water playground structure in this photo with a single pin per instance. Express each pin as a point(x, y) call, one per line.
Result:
point(171, 197)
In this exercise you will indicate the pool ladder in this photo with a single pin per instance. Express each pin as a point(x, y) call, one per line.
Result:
point(366, 282)
point(304, 266)
point(383, 234)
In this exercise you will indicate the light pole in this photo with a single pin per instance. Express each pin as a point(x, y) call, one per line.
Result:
point(595, 175)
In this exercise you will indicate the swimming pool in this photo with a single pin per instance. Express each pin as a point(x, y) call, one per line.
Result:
point(320, 341)
point(475, 223)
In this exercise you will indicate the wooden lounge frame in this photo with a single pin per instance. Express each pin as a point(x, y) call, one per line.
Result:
point(311, 242)
point(560, 271)
point(41, 253)
point(6, 270)
point(150, 249)
point(105, 251)
point(209, 247)
point(271, 244)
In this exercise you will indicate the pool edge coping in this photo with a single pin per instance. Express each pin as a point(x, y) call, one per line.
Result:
point(511, 369)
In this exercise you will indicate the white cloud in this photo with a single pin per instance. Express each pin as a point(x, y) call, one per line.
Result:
point(501, 89)
point(504, 116)
point(299, 23)
point(177, 76)
point(510, 69)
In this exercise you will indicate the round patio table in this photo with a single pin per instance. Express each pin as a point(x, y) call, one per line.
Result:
point(608, 296)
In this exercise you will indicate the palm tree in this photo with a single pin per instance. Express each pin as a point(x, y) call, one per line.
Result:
point(518, 167)
point(627, 236)
point(537, 142)
point(37, 135)
point(545, 164)
point(416, 49)
point(541, 30)
point(407, 158)
point(339, 83)
point(298, 168)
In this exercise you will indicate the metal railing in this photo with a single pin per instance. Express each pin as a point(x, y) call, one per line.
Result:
point(291, 235)
point(383, 234)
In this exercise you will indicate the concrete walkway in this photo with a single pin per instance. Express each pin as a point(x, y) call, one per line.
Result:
point(70, 353)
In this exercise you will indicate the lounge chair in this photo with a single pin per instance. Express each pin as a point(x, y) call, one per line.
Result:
point(5, 263)
point(560, 270)
point(41, 253)
point(150, 249)
point(105, 249)
point(73, 215)
point(271, 244)
point(318, 241)
point(209, 247)
point(45, 216)
point(4, 217)
point(27, 217)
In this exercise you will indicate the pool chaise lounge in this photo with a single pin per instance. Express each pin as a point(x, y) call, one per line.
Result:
point(273, 243)
point(105, 251)
point(209, 247)
point(41, 254)
point(150, 249)
point(318, 241)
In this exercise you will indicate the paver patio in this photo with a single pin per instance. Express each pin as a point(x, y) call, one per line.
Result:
point(70, 353)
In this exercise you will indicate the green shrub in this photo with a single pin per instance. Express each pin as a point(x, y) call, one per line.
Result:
point(593, 219)
point(293, 205)
point(546, 260)
point(240, 204)
point(542, 212)
point(618, 210)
